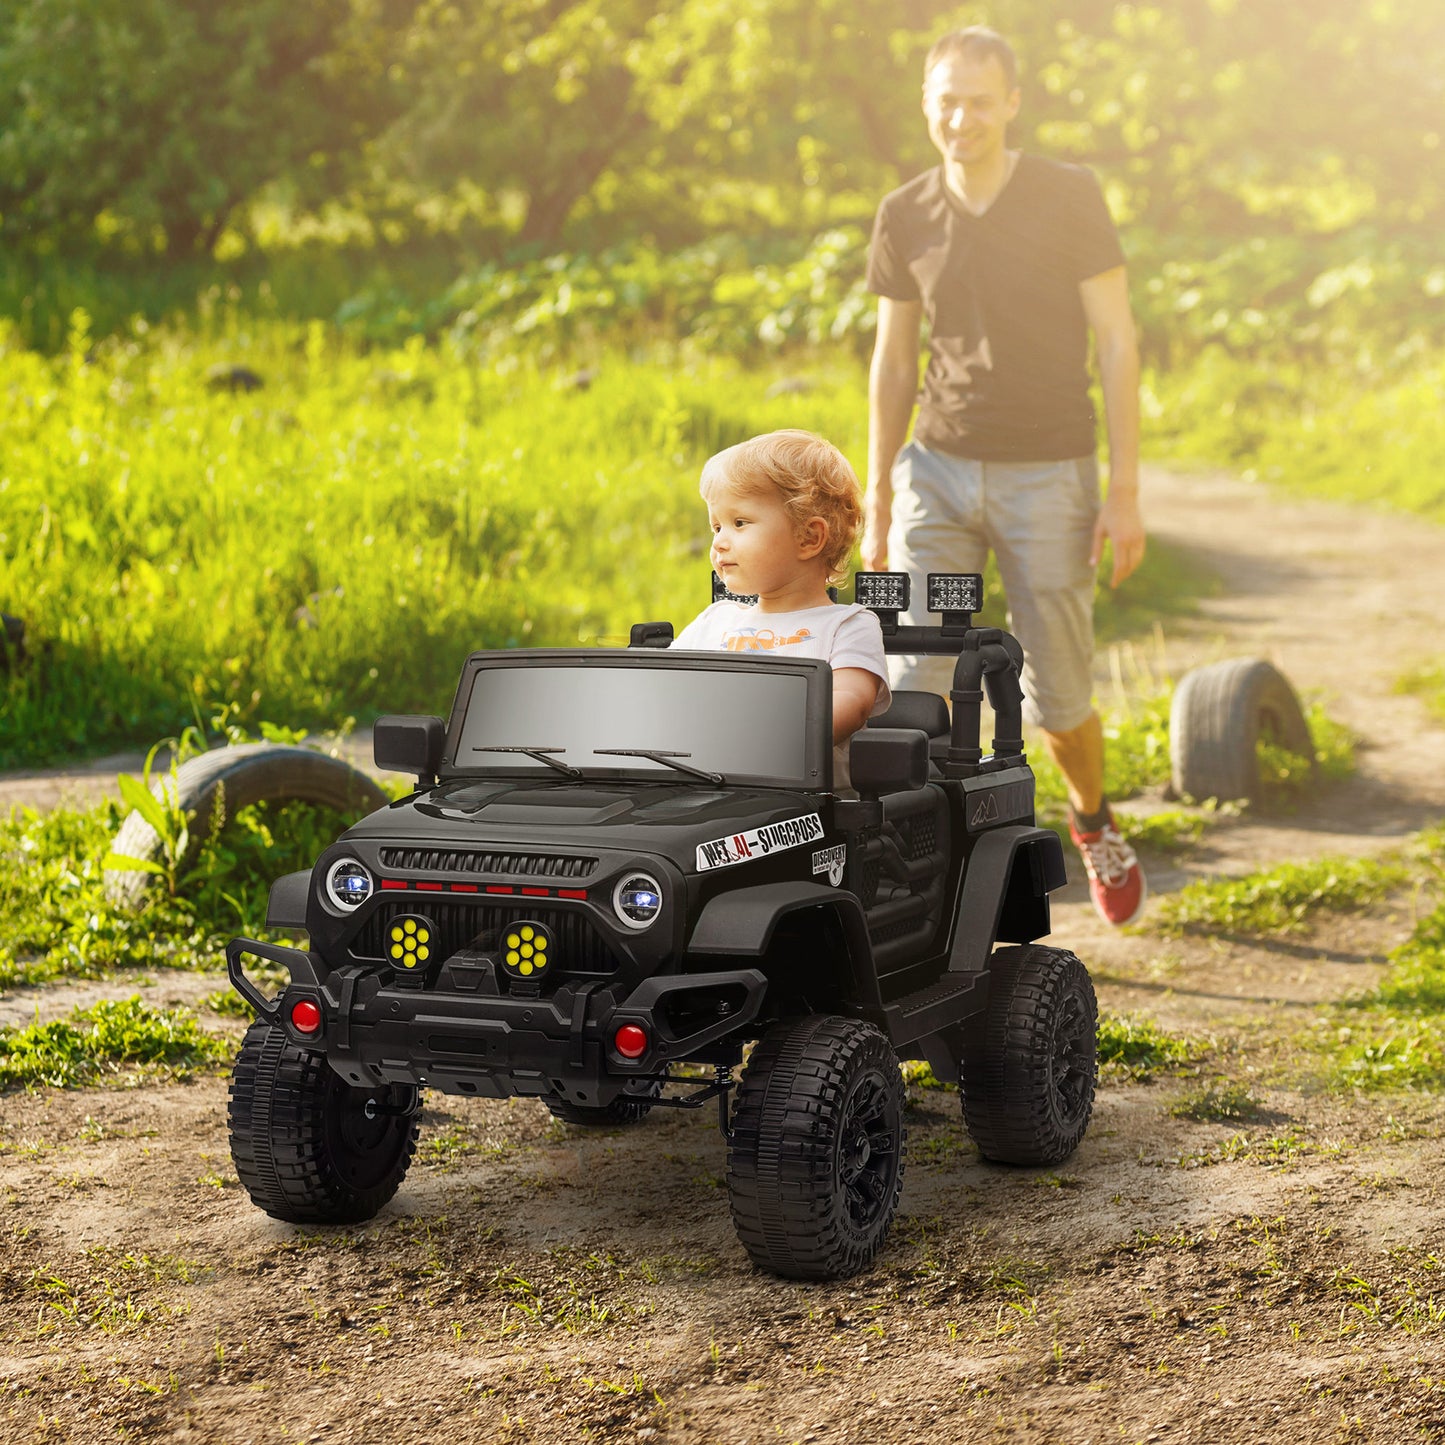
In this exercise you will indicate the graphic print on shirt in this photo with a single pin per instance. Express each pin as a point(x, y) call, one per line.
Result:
point(759, 842)
point(761, 639)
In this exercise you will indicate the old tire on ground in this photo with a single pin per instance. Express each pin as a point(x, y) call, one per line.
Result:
point(815, 1162)
point(235, 777)
point(624, 1109)
point(304, 1147)
point(1219, 715)
point(1030, 1062)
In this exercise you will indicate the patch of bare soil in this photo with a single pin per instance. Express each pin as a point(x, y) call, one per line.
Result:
point(1270, 1277)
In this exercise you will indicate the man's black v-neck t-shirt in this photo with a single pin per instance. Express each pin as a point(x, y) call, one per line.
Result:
point(1007, 376)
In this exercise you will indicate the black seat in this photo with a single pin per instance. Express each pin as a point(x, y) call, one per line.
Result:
point(925, 711)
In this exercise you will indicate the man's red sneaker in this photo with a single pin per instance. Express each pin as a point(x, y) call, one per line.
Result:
point(1116, 881)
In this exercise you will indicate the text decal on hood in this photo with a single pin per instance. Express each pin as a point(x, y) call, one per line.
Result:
point(759, 842)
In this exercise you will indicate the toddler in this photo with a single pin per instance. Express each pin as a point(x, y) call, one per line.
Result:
point(785, 509)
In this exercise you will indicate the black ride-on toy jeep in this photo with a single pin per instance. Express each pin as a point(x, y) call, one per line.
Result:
point(617, 861)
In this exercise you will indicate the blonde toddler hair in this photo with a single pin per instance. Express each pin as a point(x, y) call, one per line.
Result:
point(811, 475)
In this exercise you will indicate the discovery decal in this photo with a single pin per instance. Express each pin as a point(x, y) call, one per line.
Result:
point(759, 842)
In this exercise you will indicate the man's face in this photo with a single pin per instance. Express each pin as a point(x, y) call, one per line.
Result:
point(968, 106)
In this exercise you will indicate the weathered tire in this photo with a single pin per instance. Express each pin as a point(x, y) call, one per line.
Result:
point(240, 775)
point(1219, 714)
point(624, 1109)
point(303, 1146)
point(815, 1162)
point(1030, 1063)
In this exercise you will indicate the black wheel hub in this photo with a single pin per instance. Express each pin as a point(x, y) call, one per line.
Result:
point(1073, 1057)
point(868, 1152)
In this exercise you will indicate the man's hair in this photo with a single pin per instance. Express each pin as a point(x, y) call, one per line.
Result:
point(976, 42)
point(811, 476)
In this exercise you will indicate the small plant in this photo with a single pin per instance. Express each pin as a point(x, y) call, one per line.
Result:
point(1220, 1102)
point(160, 806)
point(106, 1039)
point(1137, 1048)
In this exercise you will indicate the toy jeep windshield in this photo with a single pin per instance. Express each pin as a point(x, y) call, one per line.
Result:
point(618, 862)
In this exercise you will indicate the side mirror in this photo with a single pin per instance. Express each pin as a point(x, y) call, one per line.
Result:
point(409, 745)
point(888, 760)
point(650, 634)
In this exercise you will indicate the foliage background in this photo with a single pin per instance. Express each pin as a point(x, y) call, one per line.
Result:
point(509, 270)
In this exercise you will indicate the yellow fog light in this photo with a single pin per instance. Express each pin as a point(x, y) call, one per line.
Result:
point(525, 948)
point(409, 941)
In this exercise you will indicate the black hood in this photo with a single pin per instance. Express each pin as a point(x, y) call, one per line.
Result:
point(673, 819)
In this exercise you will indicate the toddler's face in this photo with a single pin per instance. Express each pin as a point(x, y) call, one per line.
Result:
point(754, 547)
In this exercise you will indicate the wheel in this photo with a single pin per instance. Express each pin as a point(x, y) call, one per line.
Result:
point(235, 777)
point(815, 1162)
point(1219, 716)
point(1026, 1078)
point(624, 1109)
point(306, 1146)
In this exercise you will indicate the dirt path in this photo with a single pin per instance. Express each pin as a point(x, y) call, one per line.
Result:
point(1272, 1277)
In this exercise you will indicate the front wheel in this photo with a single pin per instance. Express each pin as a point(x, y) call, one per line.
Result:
point(815, 1163)
point(308, 1147)
point(1030, 1062)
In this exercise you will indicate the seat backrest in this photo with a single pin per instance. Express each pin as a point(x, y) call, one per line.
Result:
point(923, 710)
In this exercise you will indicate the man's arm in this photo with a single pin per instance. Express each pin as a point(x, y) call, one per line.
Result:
point(892, 390)
point(1106, 305)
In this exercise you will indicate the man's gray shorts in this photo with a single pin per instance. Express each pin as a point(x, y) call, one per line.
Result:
point(1038, 517)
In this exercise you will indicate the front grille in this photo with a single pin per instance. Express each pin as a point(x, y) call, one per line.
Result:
point(577, 945)
point(469, 860)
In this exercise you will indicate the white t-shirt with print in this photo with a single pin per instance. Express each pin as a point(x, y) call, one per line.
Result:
point(845, 635)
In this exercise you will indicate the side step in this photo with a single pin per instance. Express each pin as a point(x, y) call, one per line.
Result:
point(935, 1008)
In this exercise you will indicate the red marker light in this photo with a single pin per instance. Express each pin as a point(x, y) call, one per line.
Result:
point(631, 1041)
point(305, 1016)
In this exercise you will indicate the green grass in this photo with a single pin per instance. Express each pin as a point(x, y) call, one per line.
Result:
point(332, 545)
point(1134, 1047)
point(1427, 682)
point(1371, 432)
point(104, 1041)
point(1284, 899)
point(56, 921)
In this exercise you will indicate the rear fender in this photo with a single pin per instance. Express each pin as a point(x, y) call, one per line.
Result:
point(1011, 873)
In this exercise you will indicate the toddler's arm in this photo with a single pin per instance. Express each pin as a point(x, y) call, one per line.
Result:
point(855, 690)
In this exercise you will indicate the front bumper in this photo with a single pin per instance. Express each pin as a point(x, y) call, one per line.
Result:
point(497, 1045)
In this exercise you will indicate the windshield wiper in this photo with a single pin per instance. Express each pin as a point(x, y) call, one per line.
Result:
point(540, 753)
point(653, 755)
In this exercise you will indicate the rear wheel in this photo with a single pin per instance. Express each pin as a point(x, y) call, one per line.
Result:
point(624, 1109)
point(815, 1163)
point(1030, 1062)
point(308, 1147)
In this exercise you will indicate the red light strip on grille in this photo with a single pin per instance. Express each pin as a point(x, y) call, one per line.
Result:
point(504, 888)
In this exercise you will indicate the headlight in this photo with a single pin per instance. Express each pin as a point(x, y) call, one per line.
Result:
point(348, 884)
point(408, 942)
point(637, 900)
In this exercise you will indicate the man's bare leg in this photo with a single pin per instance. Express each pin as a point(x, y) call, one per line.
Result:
point(1079, 756)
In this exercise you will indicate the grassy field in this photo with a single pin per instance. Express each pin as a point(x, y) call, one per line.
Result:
point(330, 544)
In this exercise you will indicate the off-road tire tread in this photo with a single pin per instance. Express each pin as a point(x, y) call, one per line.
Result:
point(277, 1096)
point(241, 774)
point(1006, 1072)
point(1215, 723)
point(785, 1201)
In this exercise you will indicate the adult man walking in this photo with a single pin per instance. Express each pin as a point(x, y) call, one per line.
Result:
point(1014, 260)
